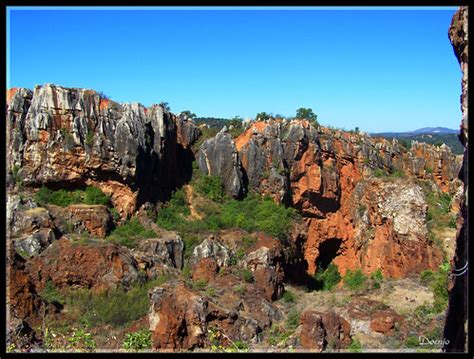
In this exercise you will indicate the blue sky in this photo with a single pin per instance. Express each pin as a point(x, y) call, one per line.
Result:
point(380, 69)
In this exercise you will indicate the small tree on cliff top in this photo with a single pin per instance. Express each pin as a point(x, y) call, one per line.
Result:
point(307, 114)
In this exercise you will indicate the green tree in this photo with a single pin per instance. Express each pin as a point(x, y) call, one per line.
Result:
point(262, 116)
point(188, 114)
point(165, 106)
point(307, 114)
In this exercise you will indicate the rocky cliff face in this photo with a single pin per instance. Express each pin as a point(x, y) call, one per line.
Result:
point(456, 320)
point(356, 219)
point(72, 137)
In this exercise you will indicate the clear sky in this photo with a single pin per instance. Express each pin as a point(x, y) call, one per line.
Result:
point(380, 69)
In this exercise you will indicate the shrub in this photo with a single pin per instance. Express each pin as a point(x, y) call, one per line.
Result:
point(426, 277)
point(138, 340)
point(247, 275)
point(89, 138)
point(354, 280)
point(200, 284)
point(94, 195)
point(117, 307)
point(240, 289)
point(412, 342)
point(210, 187)
point(51, 294)
point(355, 346)
point(172, 216)
point(15, 176)
point(63, 198)
point(328, 278)
point(378, 172)
point(80, 339)
point(376, 278)
point(190, 242)
point(292, 320)
point(288, 297)
point(240, 254)
point(128, 233)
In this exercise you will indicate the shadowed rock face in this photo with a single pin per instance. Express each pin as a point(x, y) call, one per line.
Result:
point(67, 136)
point(455, 327)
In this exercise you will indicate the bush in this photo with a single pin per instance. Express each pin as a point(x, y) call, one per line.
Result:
point(247, 275)
point(128, 233)
point(288, 297)
point(355, 346)
point(63, 198)
point(354, 280)
point(51, 294)
point(138, 340)
point(117, 307)
point(248, 241)
point(210, 187)
point(328, 278)
point(80, 339)
point(376, 278)
point(89, 138)
point(94, 195)
point(172, 216)
point(412, 342)
point(378, 172)
point(426, 277)
point(200, 284)
point(292, 320)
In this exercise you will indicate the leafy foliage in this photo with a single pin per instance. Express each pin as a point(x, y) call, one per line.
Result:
point(262, 116)
point(355, 346)
point(328, 278)
point(138, 340)
point(51, 294)
point(247, 275)
point(292, 320)
point(116, 307)
point(128, 233)
point(376, 278)
point(354, 280)
point(210, 187)
point(307, 114)
point(288, 297)
point(63, 198)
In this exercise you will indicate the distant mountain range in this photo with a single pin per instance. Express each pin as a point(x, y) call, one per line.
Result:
point(432, 135)
point(420, 131)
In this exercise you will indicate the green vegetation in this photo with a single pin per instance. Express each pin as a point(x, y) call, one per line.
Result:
point(328, 278)
point(376, 278)
point(188, 114)
point(393, 174)
point(211, 187)
point(247, 276)
point(439, 214)
point(378, 172)
point(292, 320)
point(80, 339)
point(412, 342)
point(278, 335)
point(117, 307)
point(63, 198)
point(15, 176)
point(139, 340)
point(288, 297)
point(253, 213)
point(89, 138)
point(263, 116)
point(239, 288)
point(307, 114)
point(51, 294)
point(405, 142)
point(355, 346)
point(128, 233)
point(200, 284)
point(354, 280)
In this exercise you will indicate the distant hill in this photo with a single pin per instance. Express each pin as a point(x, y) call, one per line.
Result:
point(432, 135)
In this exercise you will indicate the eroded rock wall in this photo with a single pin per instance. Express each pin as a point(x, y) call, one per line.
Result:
point(75, 137)
point(456, 319)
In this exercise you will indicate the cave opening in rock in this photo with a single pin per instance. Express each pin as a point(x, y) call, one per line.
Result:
point(328, 250)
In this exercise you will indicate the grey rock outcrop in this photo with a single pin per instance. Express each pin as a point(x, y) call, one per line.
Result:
point(218, 157)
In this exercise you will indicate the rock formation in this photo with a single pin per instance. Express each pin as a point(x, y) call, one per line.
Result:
point(456, 321)
point(72, 137)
